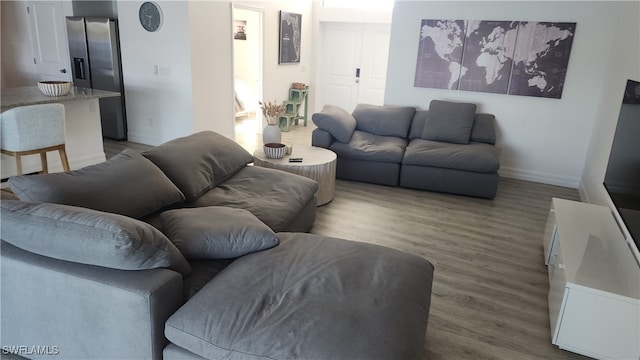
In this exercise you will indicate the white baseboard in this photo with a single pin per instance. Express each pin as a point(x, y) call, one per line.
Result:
point(584, 194)
point(80, 162)
point(539, 177)
point(142, 139)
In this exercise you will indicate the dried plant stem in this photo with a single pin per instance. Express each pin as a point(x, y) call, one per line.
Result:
point(272, 111)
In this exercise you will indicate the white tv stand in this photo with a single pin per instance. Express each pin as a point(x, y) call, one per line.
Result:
point(594, 282)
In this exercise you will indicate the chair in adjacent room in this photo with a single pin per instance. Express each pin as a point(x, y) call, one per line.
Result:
point(34, 129)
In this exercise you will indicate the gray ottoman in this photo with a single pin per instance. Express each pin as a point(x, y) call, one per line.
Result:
point(311, 297)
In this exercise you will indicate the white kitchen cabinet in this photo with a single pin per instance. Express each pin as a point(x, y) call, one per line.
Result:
point(594, 283)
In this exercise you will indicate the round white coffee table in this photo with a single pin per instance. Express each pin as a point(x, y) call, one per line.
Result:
point(317, 163)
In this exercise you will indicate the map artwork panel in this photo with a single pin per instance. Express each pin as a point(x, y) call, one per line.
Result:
point(439, 54)
point(488, 55)
point(541, 58)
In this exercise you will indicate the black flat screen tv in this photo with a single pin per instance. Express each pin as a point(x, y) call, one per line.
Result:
point(622, 179)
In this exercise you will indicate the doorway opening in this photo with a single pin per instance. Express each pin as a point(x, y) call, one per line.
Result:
point(247, 70)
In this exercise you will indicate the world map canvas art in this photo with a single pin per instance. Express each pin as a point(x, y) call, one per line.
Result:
point(504, 57)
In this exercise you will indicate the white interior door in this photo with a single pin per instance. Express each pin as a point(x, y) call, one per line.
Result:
point(49, 39)
point(373, 71)
point(340, 58)
point(354, 64)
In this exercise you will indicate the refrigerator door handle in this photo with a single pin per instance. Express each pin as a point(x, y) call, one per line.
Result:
point(78, 64)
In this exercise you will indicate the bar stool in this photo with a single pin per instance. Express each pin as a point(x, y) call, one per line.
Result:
point(34, 129)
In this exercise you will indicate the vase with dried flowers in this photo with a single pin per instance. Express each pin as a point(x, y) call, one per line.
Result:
point(272, 112)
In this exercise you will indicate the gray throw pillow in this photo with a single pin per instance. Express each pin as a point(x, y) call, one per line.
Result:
point(198, 162)
point(484, 129)
point(127, 184)
point(337, 121)
point(384, 120)
point(88, 237)
point(216, 232)
point(449, 122)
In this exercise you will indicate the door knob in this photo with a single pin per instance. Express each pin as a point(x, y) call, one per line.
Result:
point(64, 71)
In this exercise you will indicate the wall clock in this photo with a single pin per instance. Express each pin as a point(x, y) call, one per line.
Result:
point(150, 16)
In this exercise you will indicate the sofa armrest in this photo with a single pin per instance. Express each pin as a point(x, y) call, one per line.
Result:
point(322, 138)
point(82, 311)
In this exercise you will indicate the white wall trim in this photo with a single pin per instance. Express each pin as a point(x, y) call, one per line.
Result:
point(142, 139)
point(540, 177)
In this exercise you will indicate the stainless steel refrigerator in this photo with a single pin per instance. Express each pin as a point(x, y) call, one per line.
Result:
point(94, 50)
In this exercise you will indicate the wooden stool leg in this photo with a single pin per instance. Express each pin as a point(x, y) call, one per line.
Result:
point(45, 165)
point(63, 157)
point(18, 163)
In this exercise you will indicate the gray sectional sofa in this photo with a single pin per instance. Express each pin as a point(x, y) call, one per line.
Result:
point(188, 252)
point(448, 148)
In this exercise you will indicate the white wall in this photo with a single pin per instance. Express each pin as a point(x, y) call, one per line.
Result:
point(372, 15)
point(543, 140)
point(193, 50)
point(17, 53)
point(159, 107)
point(624, 63)
point(212, 66)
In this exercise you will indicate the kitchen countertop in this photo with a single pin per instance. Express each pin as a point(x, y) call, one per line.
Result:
point(31, 95)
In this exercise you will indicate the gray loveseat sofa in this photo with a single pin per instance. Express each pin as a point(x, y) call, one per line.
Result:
point(448, 148)
point(188, 252)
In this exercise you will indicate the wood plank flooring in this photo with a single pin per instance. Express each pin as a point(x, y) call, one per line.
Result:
point(489, 298)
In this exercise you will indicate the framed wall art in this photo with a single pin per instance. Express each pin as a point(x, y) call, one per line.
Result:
point(503, 57)
point(240, 29)
point(290, 38)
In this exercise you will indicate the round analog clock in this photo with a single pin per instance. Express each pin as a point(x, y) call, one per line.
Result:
point(150, 16)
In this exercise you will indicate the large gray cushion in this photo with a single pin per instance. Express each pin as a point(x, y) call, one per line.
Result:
point(127, 184)
point(449, 122)
point(337, 121)
point(88, 237)
point(478, 157)
point(273, 196)
point(311, 297)
point(384, 120)
point(216, 232)
point(198, 162)
point(367, 146)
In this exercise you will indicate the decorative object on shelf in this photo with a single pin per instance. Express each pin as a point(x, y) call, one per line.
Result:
point(55, 88)
point(275, 150)
point(527, 58)
point(290, 36)
point(150, 16)
point(297, 98)
point(271, 112)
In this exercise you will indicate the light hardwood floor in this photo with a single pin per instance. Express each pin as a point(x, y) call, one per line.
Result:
point(489, 298)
